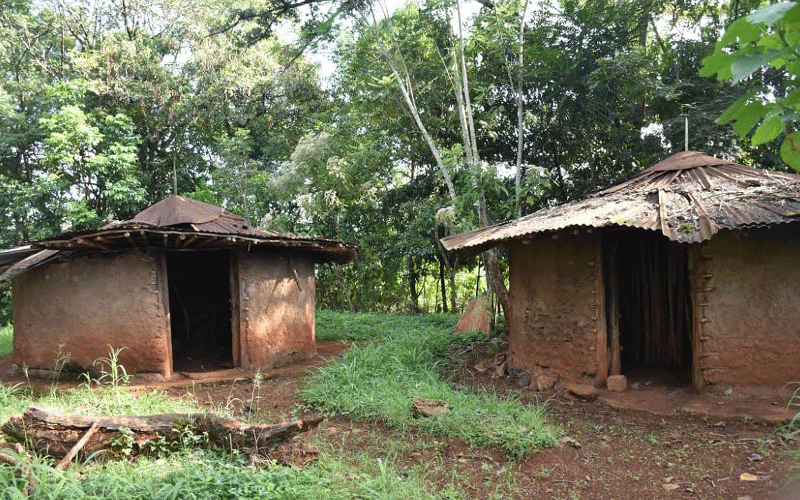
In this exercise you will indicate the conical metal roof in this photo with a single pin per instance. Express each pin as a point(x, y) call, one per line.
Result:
point(688, 197)
point(177, 210)
point(176, 224)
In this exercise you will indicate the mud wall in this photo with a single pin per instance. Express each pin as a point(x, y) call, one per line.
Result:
point(276, 299)
point(748, 290)
point(558, 322)
point(77, 308)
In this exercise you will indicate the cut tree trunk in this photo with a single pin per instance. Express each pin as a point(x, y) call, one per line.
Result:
point(55, 434)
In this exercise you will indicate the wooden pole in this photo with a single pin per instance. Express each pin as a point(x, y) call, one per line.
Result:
point(78, 446)
point(613, 308)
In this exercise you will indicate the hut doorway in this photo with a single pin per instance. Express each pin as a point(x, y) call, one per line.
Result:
point(200, 310)
point(648, 307)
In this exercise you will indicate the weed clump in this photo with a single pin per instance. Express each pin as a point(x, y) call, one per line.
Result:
point(379, 379)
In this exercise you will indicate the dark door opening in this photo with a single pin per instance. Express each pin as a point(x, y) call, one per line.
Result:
point(200, 310)
point(648, 306)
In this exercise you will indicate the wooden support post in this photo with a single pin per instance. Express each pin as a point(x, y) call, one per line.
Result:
point(613, 308)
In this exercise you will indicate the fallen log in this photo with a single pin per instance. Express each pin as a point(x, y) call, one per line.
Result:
point(55, 434)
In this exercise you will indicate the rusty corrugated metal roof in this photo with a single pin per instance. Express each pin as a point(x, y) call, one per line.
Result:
point(25, 259)
point(176, 223)
point(688, 197)
point(179, 223)
point(177, 211)
point(475, 317)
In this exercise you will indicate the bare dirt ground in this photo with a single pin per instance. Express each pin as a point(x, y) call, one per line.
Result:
point(610, 453)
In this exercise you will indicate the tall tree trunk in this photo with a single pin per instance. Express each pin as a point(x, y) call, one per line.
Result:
point(493, 275)
point(520, 111)
point(403, 78)
point(412, 285)
point(443, 285)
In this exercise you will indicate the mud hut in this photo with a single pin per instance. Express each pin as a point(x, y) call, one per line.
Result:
point(184, 285)
point(689, 272)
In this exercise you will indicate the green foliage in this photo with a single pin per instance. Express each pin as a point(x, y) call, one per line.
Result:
point(6, 340)
point(12, 400)
point(378, 381)
point(767, 38)
point(102, 105)
point(337, 325)
point(110, 371)
point(216, 475)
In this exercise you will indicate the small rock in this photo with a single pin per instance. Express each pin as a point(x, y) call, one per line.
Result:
point(524, 380)
point(429, 407)
point(569, 441)
point(671, 487)
point(728, 392)
point(635, 386)
point(746, 497)
point(545, 381)
point(755, 457)
point(584, 391)
point(617, 383)
point(720, 424)
point(499, 370)
point(746, 476)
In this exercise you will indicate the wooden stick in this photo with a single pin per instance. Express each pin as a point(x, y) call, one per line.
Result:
point(62, 464)
point(8, 459)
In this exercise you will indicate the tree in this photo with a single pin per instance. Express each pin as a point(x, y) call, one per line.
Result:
point(763, 47)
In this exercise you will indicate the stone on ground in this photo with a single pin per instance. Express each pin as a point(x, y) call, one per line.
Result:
point(583, 391)
point(617, 383)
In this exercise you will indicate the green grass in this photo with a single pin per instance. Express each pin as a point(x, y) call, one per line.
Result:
point(378, 381)
point(6, 340)
point(217, 475)
point(398, 357)
point(336, 325)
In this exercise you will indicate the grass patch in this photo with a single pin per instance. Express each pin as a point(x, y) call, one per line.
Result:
point(378, 381)
point(101, 402)
point(337, 325)
point(217, 475)
point(6, 340)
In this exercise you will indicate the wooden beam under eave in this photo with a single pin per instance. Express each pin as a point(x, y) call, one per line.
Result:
point(91, 244)
point(191, 239)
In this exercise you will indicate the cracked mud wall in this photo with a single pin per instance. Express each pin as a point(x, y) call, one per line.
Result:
point(749, 314)
point(558, 321)
point(79, 307)
point(276, 298)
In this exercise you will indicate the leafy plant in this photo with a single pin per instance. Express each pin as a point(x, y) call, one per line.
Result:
point(111, 371)
point(767, 38)
point(255, 396)
point(124, 442)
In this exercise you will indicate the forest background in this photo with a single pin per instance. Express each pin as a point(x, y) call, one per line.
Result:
point(430, 122)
